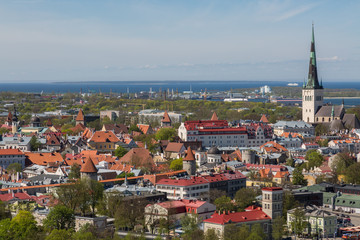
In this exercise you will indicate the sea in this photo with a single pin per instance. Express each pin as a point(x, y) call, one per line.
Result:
point(155, 86)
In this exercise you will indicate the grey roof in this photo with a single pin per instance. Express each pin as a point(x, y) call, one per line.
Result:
point(21, 141)
point(292, 124)
point(351, 121)
point(326, 111)
point(336, 125)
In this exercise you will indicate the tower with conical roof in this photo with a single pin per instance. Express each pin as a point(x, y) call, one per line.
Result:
point(88, 169)
point(14, 123)
point(189, 162)
point(312, 92)
point(80, 118)
point(166, 120)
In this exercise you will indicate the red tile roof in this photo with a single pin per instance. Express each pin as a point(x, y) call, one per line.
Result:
point(166, 118)
point(144, 128)
point(174, 147)
point(238, 217)
point(88, 167)
point(264, 119)
point(44, 158)
point(139, 157)
point(183, 182)
point(273, 147)
point(11, 152)
point(104, 136)
point(214, 117)
point(9, 196)
point(272, 189)
point(80, 116)
point(189, 155)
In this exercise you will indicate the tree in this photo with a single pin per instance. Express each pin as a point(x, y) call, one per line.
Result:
point(314, 158)
point(321, 129)
point(96, 190)
point(60, 217)
point(166, 134)
point(230, 232)
point(4, 130)
point(257, 232)
point(4, 212)
point(298, 177)
point(278, 228)
point(60, 234)
point(290, 162)
point(352, 174)
point(243, 232)
point(214, 194)
point(245, 197)
point(120, 151)
point(14, 167)
point(288, 203)
point(298, 223)
point(34, 144)
point(189, 224)
point(341, 162)
point(135, 128)
point(211, 235)
point(224, 203)
point(74, 171)
point(122, 175)
point(176, 164)
point(22, 226)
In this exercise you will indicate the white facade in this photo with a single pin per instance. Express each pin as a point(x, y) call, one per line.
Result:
point(174, 192)
point(312, 99)
point(7, 159)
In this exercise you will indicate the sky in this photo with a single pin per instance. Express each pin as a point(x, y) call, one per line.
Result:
point(120, 40)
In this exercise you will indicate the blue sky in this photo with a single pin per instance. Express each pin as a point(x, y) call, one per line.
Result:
point(92, 40)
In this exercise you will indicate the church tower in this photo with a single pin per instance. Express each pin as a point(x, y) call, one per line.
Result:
point(312, 92)
point(15, 123)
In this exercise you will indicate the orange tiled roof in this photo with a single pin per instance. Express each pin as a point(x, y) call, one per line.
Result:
point(189, 155)
point(10, 152)
point(139, 157)
point(166, 118)
point(144, 128)
point(104, 136)
point(272, 146)
point(44, 158)
point(80, 116)
point(214, 117)
point(88, 167)
point(264, 119)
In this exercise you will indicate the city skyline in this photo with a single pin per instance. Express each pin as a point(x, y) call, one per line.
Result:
point(158, 40)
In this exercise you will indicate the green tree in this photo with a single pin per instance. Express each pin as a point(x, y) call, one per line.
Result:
point(257, 232)
point(96, 190)
point(21, 227)
point(135, 128)
point(315, 159)
point(321, 129)
point(60, 217)
point(298, 224)
point(243, 232)
point(245, 197)
point(14, 167)
point(189, 224)
point(290, 162)
point(74, 171)
point(341, 162)
point(289, 202)
point(231, 232)
point(120, 151)
point(60, 234)
point(278, 228)
point(34, 143)
point(224, 203)
point(4, 212)
point(352, 174)
point(176, 164)
point(211, 235)
point(298, 177)
point(4, 130)
point(166, 134)
point(122, 175)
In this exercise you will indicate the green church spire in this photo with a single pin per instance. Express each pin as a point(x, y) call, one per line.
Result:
point(313, 81)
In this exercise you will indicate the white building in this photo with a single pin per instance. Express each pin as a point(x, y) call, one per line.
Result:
point(196, 187)
point(152, 115)
point(218, 133)
point(265, 89)
point(9, 156)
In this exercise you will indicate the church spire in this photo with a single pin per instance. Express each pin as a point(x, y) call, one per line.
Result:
point(313, 81)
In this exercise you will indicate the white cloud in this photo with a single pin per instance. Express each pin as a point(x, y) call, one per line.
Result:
point(328, 59)
point(294, 12)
